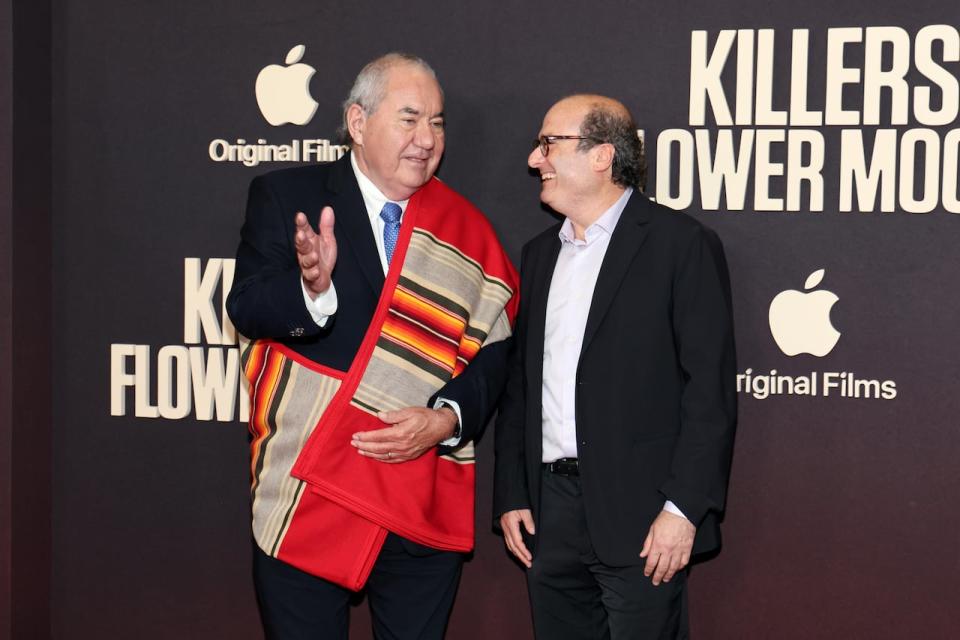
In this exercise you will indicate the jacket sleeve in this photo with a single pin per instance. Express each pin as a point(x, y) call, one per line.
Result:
point(703, 326)
point(266, 300)
point(477, 390)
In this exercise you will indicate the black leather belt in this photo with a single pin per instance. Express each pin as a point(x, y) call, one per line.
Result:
point(563, 467)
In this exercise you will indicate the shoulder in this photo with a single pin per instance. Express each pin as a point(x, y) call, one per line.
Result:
point(444, 198)
point(447, 196)
point(300, 188)
point(295, 178)
point(679, 226)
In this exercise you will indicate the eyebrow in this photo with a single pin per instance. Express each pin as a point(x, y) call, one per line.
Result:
point(415, 112)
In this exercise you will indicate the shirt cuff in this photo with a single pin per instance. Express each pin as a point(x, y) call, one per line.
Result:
point(455, 439)
point(669, 507)
point(324, 306)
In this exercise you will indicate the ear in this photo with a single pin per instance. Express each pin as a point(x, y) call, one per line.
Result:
point(356, 119)
point(603, 157)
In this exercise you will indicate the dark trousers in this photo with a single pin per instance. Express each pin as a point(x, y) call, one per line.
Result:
point(411, 590)
point(574, 596)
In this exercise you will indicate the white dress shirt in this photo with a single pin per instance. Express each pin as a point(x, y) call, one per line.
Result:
point(568, 304)
point(325, 304)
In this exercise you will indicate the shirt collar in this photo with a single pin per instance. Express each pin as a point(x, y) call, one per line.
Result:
point(606, 223)
point(373, 198)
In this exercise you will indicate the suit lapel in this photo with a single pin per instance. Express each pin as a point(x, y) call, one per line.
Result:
point(544, 259)
point(628, 235)
point(352, 222)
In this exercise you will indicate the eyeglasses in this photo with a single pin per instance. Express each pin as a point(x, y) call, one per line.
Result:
point(544, 142)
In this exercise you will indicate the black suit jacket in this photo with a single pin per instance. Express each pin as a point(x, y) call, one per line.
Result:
point(655, 396)
point(266, 300)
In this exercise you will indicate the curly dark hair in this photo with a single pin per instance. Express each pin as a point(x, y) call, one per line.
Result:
point(602, 125)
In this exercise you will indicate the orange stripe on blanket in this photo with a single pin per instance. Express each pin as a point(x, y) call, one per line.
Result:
point(418, 353)
point(264, 395)
point(421, 341)
point(255, 363)
point(469, 347)
point(428, 312)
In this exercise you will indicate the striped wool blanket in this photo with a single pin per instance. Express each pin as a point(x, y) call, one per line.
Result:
point(317, 504)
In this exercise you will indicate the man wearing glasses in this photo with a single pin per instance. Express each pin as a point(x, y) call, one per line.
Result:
point(615, 434)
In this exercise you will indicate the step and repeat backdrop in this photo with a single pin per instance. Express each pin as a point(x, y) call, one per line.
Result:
point(819, 139)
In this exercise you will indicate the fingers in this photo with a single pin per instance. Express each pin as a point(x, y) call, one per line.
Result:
point(383, 446)
point(658, 555)
point(510, 523)
point(390, 444)
point(301, 220)
point(667, 566)
point(307, 255)
point(527, 518)
point(390, 457)
point(326, 224)
point(304, 235)
point(663, 562)
point(399, 415)
point(377, 439)
point(316, 253)
point(673, 567)
point(411, 432)
point(326, 241)
point(653, 553)
point(652, 559)
point(663, 566)
point(646, 545)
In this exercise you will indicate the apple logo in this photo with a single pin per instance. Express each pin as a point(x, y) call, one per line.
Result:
point(283, 93)
point(800, 322)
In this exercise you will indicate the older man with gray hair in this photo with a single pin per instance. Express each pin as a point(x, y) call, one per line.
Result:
point(378, 302)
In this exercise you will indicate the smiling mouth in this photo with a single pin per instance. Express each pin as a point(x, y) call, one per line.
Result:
point(547, 176)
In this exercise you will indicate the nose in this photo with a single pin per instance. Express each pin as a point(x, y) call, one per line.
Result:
point(426, 135)
point(536, 158)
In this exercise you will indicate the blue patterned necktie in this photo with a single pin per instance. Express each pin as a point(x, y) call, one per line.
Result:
point(391, 229)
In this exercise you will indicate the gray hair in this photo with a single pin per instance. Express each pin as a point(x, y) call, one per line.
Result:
point(370, 87)
point(604, 124)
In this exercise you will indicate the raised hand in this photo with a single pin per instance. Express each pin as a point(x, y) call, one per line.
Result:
point(316, 252)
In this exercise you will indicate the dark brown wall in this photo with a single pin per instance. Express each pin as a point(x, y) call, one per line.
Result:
point(842, 516)
point(6, 316)
point(25, 323)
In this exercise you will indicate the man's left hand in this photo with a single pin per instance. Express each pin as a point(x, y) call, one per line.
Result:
point(411, 433)
point(668, 546)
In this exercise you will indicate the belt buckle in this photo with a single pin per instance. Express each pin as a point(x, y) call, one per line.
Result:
point(565, 467)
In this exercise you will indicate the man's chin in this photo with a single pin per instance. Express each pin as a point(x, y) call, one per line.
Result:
point(416, 178)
